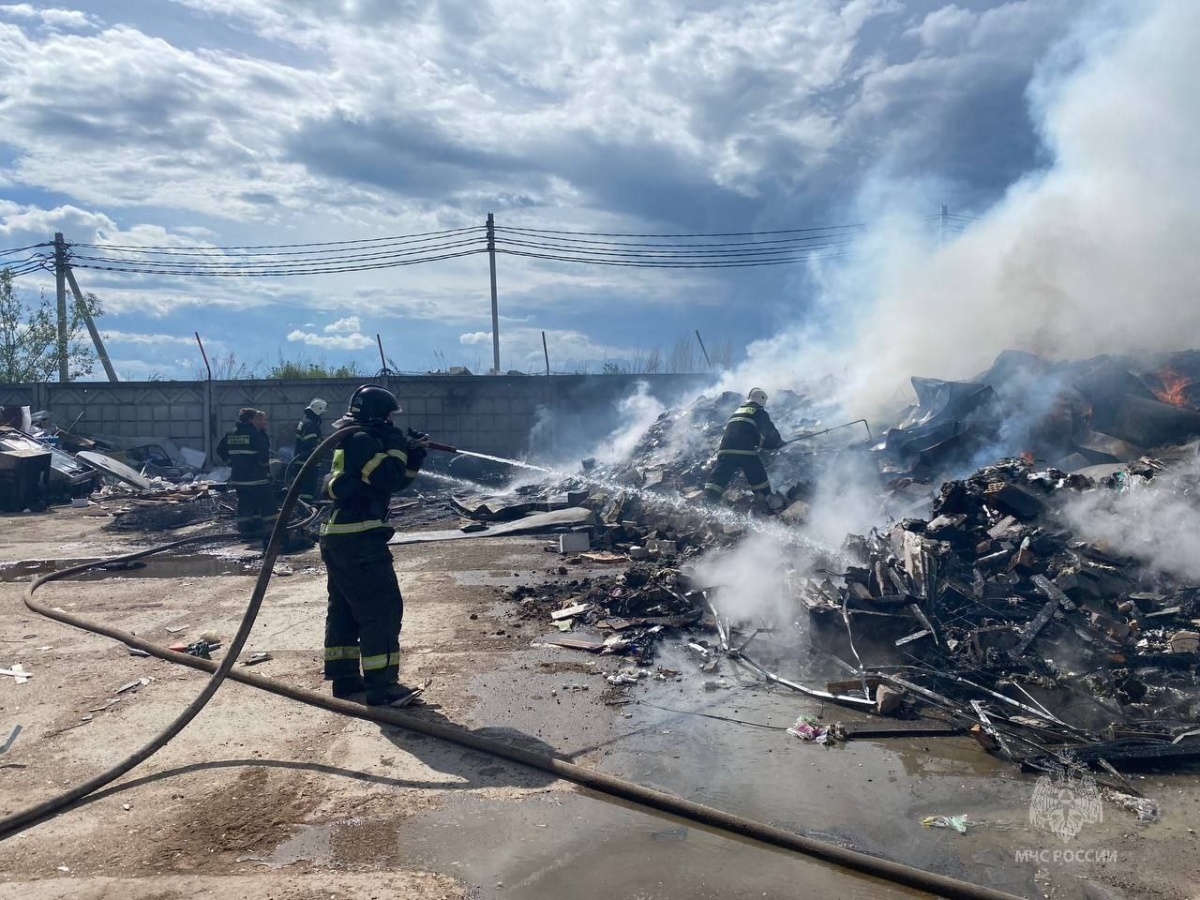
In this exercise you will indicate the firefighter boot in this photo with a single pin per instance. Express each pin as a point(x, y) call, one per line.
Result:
point(347, 688)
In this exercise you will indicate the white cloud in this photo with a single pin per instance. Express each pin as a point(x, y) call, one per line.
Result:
point(51, 18)
point(331, 342)
point(111, 336)
point(475, 337)
point(344, 325)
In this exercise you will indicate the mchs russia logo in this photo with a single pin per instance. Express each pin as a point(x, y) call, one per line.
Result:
point(1064, 802)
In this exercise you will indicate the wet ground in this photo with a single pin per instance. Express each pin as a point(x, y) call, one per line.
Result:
point(276, 800)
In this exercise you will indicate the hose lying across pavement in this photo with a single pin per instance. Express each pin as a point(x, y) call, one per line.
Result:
point(600, 782)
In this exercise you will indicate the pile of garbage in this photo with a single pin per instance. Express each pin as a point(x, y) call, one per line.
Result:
point(993, 611)
point(633, 610)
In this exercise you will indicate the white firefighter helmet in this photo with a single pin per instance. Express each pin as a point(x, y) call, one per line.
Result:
point(757, 395)
point(318, 406)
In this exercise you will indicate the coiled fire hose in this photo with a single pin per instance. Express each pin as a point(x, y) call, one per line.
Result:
point(600, 782)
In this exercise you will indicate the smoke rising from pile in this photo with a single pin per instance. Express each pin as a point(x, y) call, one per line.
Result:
point(1092, 255)
point(1155, 521)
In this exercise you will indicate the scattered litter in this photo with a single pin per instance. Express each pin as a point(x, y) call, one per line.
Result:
point(571, 611)
point(958, 823)
point(141, 682)
point(1147, 810)
point(807, 729)
point(202, 648)
point(135, 651)
point(17, 673)
point(255, 658)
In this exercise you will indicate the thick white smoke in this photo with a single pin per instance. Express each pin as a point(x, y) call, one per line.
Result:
point(1092, 255)
point(1155, 521)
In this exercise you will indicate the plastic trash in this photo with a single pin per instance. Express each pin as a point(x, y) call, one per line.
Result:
point(807, 729)
point(958, 823)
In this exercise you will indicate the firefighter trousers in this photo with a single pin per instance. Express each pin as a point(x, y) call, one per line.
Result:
point(365, 612)
point(257, 507)
point(728, 465)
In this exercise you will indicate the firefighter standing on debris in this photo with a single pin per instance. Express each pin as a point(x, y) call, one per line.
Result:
point(749, 428)
point(365, 612)
point(247, 449)
point(308, 436)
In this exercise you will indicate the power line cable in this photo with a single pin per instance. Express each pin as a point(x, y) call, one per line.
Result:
point(679, 255)
point(652, 264)
point(691, 235)
point(23, 249)
point(252, 265)
point(522, 233)
point(419, 234)
point(243, 273)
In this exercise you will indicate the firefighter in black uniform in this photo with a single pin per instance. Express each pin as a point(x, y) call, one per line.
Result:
point(749, 428)
point(362, 624)
point(308, 436)
point(248, 450)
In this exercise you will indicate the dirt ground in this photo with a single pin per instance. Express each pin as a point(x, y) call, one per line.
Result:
point(263, 797)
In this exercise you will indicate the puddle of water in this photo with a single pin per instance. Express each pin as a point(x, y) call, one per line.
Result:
point(867, 795)
point(574, 845)
point(195, 565)
point(308, 843)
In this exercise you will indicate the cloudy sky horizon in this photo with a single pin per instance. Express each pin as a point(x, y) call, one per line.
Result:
point(188, 125)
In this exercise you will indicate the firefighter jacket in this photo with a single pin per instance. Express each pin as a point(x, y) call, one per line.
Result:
point(367, 469)
point(308, 435)
point(749, 428)
point(248, 452)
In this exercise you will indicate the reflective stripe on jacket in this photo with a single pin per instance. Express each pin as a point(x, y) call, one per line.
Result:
point(308, 435)
point(747, 429)
point(248, 452)
point(367, 469)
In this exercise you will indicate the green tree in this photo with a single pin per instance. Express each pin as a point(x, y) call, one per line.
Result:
point(29, 336)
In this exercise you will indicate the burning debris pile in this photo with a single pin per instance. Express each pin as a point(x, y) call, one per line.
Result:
point(1069, 415)
point(997, 608)
point(995, 612)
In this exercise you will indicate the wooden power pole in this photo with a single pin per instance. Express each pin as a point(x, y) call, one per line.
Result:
point(60, 283)
point(491, 248)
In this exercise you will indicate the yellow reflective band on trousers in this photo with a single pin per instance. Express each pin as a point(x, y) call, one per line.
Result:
point(737, 453)
point(380, 661)
point(333, 527)
point(332, 653)
point(760, 486)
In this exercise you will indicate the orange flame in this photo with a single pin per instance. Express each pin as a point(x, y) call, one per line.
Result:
point(1174, 388)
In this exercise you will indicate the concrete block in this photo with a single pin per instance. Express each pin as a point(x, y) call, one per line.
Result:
point(574, 542)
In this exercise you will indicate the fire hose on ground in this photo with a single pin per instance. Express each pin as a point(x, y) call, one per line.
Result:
point(600, 782)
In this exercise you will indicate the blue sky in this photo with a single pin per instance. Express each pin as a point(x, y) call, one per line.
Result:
point(213, 123)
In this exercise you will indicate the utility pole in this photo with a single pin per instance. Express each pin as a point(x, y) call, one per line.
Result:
point(491, 248)
point(91, 327)
point(700, 341)
point(60, 282)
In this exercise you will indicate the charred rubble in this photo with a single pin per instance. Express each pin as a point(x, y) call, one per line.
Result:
point(974, 603)
point(993, 613)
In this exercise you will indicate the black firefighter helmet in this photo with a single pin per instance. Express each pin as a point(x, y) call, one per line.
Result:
point(372, 403)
